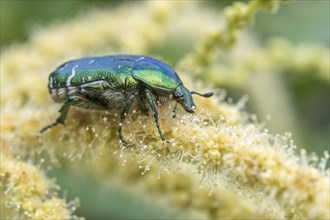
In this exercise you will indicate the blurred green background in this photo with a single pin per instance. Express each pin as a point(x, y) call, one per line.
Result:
point(298, 21)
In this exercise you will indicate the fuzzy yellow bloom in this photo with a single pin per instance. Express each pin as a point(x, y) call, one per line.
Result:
point(221, 145)
point(27, 193)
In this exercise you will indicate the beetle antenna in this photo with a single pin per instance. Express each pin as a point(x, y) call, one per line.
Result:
point(206, 95)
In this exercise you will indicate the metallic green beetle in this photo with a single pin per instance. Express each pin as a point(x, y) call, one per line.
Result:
point(117, 82)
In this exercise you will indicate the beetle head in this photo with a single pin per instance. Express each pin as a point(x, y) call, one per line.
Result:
point(183, 96)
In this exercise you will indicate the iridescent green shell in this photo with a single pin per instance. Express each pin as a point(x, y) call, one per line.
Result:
point(113, 69)
point(117, 71)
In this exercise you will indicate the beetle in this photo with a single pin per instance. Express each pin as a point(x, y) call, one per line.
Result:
point(117, 82)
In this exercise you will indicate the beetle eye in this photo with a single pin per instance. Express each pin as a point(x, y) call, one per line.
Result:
point(177, 95)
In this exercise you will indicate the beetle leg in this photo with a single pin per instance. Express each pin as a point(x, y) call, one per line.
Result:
point(73, 100)
point(60, 120)
point(128, 105)
point(174, 110)
point(154, 112)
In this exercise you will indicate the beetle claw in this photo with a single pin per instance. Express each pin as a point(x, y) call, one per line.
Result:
point(165, 141)
point(126, 145)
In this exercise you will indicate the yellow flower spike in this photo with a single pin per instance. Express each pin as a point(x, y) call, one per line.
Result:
point(279, 56)
point(237, 17)
point(25, 192)
point(248, 154)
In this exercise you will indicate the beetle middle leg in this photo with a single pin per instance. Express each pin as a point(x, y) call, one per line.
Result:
point(154, 112)
point(128, 105)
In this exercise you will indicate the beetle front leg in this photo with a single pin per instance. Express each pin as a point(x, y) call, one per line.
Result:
point(154, 112)
point(175, 109)
point(128, 105)
point(60, 120)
